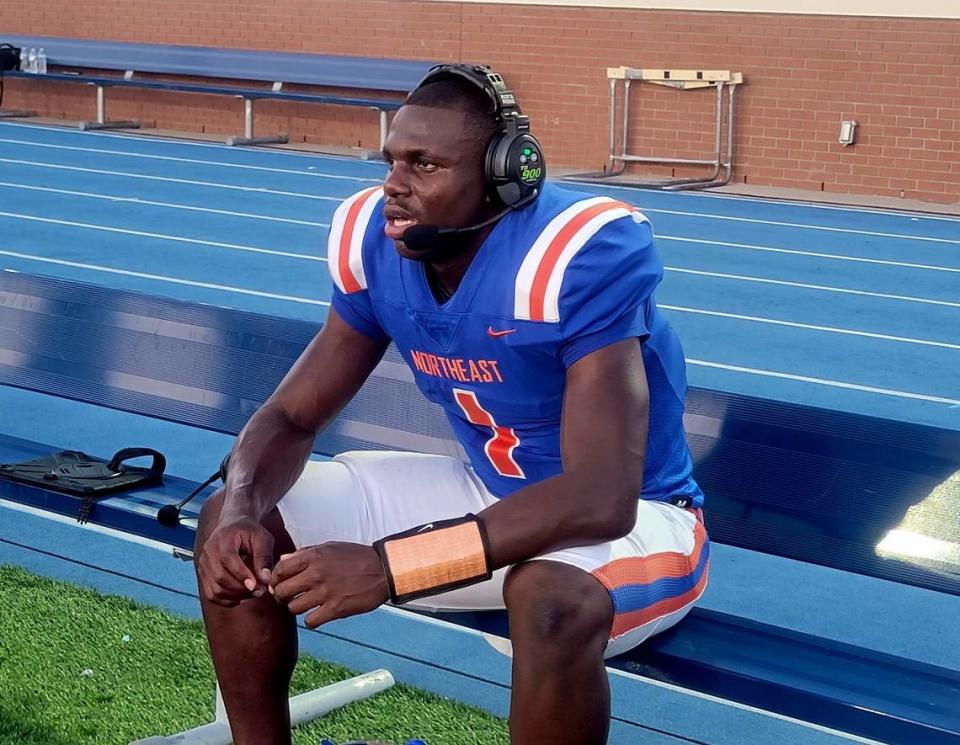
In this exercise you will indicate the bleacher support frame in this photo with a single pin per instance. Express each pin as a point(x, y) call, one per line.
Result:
point(680, 80)
point(223, 71)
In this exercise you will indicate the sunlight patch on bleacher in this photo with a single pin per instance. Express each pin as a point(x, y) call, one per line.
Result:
point(929, 534)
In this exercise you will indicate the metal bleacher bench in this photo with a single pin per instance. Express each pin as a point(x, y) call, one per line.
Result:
point(850, 479)
point(84, 61)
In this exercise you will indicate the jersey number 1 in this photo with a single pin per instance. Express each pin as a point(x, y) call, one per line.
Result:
point(500, 447)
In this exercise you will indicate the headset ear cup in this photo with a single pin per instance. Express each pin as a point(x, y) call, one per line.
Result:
point(530, 168)
point(508, 169)
point(494, 169)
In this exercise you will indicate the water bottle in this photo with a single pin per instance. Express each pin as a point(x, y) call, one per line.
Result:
point(42, 61)
point(32, 60)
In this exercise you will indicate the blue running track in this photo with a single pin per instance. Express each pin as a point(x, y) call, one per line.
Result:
point(839, 307)
point(852, 309)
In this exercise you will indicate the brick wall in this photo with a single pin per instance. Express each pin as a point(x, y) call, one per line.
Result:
point(900, 78)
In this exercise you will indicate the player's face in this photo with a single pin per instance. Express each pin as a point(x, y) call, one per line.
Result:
point(436, 172)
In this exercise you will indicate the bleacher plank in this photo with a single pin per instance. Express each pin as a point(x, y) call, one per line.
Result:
point(225, 71)
point(332, 71)
point(841, 686)
point(226, 90)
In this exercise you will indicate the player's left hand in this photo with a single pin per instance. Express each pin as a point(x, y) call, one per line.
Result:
point(336, 580)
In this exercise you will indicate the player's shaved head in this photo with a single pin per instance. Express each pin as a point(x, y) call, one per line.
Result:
point(459, 95)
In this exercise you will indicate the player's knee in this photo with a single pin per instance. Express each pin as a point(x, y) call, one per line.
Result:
point(557, 605)
point(209, 515)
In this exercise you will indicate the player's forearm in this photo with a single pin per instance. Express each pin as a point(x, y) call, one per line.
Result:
point(266, 461)
point(563, 511)
point(603, 444)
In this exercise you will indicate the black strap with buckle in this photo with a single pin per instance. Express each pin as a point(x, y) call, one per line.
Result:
point(76, 473)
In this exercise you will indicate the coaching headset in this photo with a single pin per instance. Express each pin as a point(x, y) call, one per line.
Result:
point(513, 170)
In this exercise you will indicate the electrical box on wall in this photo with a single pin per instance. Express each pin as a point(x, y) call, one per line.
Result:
point(848, 132)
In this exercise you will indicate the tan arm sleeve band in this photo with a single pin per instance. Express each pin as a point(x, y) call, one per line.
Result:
point(434, 558)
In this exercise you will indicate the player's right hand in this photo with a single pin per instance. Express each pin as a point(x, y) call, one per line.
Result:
point(235, 562)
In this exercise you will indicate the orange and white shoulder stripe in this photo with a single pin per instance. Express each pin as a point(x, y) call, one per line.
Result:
point(537, 290)
point(345, 244)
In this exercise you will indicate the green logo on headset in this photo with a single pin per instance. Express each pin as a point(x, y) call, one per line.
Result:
point(530, 175)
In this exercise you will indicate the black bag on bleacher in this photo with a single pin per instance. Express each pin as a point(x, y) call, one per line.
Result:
point(76, 473)
point(9, 57)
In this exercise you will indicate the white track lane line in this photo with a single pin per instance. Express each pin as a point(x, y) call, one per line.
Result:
point(953, 402)
point(145, 138)
point(913, 214)
point(194, 161)
point(803, 226)
point(836, 257)
point(810, 326)
point(168, 205)
point(168, 179)
point(163, 237)
point(805, 286)
point(162, 278)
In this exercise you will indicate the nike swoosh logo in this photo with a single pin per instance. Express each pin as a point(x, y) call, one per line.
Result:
point(497, 334)
point(428, 526)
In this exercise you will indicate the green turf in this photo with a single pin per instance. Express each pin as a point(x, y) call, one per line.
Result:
point(79, 668)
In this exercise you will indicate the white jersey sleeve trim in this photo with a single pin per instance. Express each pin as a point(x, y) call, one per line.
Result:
point(540, 278)
point(345, 244)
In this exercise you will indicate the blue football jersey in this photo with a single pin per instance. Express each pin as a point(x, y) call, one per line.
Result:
point(552, 283)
